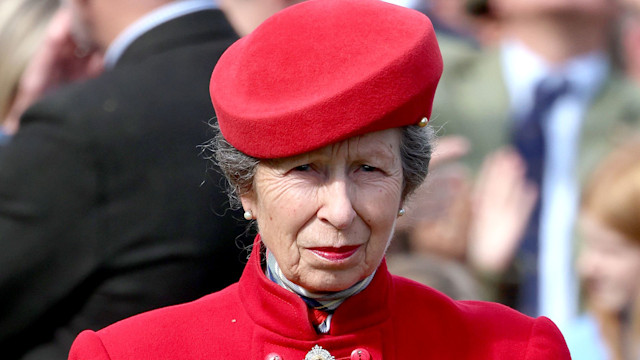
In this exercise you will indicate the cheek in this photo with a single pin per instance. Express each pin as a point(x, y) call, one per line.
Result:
point(379, 211)
point(287, 206)
point(276, 195)
point(282, 210)
point(627, 273)
point(382, 201)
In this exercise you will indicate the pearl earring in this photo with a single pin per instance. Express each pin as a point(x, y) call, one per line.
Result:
point(248, 215)
point(401, 212)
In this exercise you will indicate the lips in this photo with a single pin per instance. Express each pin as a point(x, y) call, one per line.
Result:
point(335, 253)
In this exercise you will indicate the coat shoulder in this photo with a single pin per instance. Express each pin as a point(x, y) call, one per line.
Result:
point(475, 329)
point(170, 331)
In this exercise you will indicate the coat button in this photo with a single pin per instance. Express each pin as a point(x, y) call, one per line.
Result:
point(273, 356)
point(360, 354)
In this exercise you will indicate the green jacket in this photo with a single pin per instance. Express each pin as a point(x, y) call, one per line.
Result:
point(472, 101)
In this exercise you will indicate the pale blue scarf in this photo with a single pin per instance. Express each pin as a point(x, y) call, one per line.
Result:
point(328, 302)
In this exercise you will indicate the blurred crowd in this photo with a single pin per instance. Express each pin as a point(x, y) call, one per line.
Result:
point(533, 197)
point(534, 97)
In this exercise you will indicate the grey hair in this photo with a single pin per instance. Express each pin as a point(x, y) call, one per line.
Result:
point(416, 147)
point(239, 168)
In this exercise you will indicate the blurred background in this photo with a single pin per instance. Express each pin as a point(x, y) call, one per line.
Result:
point(533, 197)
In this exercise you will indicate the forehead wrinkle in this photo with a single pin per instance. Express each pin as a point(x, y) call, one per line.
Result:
point(357, 149)
point(378, 148)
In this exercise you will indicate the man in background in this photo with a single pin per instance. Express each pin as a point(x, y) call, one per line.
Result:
point(559, 48)
point(105, 207)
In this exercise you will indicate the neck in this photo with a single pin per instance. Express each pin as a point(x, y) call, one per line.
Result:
point(114, 16)
point(555, 39)
point(323, 301)
point(245, 16)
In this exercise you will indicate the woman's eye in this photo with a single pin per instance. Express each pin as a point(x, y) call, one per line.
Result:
point(304, 167)
point(368, 168)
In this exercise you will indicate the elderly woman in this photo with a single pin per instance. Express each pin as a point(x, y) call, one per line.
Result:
point(322, 113)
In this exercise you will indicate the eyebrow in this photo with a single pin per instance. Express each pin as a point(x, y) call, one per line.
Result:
point(354, 151)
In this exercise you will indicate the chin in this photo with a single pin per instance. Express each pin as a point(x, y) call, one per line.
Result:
point(609, 304)
point(331, 283)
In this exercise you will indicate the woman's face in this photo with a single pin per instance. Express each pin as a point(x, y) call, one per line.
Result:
point(328, 215)
point(609, 265)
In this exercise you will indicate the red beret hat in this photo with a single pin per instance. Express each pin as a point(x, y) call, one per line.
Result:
point(323, 71)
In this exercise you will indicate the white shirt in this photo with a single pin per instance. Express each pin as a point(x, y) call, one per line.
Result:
point(523, 70)
point(152, 19)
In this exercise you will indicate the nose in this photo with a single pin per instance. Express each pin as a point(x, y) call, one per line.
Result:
point(337, 206)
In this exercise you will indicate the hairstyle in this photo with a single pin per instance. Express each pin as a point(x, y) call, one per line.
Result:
point(612, 196)
point(22, 27)
point(239, 169)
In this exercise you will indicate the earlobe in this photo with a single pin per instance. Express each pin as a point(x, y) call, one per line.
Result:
point(401, 210)
point(248, 204)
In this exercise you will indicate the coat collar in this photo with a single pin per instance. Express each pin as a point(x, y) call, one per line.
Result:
point(283, 312)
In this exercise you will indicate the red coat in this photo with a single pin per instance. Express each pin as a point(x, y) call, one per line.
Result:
point(393, 318)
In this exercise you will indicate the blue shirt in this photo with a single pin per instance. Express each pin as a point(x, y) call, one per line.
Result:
point(584, 339)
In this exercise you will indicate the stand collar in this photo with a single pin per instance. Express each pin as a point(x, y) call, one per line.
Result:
point(284, 312)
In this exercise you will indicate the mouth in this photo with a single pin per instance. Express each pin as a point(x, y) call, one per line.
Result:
point(335, 253)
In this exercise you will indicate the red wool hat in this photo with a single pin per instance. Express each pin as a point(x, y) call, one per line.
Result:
point(323, 71)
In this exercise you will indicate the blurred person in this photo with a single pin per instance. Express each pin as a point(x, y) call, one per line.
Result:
point(551, 72)
point(445, 232)
point(22, 30)
point(452, 19)
point(322, 136)
point(486, 27)
point(105, 208)
point(58, 61)
point(482, 228)
point(609, 260)
point(449, 18)
point(429, 246)
point(501, 203)
point(451, 278)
